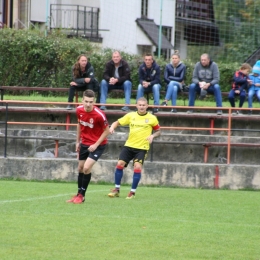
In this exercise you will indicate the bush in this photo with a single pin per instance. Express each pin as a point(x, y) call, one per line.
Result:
point(29, 58)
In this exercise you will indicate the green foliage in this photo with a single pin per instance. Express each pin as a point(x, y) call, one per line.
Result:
point(28, 58)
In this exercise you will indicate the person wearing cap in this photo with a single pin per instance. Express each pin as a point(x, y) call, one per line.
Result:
point(205, 80)
point(254, 88)
point(239, 86)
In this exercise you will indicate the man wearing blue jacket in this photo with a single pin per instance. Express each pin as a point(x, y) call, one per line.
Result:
point(149, 79)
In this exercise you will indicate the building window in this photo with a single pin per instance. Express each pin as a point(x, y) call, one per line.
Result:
point(167, 32)
point(177, 42)
point(144, 9)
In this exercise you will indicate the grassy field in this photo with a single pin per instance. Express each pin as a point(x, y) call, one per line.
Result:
point(160, 223)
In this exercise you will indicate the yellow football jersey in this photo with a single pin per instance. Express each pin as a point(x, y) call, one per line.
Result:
point(140, 127)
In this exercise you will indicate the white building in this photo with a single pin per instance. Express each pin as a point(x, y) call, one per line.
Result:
point(133, 26)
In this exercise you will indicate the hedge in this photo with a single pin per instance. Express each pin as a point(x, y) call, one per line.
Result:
point(29, 58)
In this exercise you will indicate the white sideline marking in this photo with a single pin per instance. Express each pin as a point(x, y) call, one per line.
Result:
point(47, 197)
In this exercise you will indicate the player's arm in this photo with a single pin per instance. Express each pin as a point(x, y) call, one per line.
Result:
point(113, 127)
point(78, 137)
point(103, 136)
point(156, 133)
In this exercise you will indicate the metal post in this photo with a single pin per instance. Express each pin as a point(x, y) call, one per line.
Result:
point(46, 25)
point(77, 20)
point(85, 22)
point(160, 32)
point(91, 23)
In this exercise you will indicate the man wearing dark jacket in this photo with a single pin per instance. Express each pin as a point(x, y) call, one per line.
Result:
point(116, 76)
point(149, 79)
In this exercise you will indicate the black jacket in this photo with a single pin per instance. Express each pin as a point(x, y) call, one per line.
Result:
point(123, 71)
point(88, 73)
point(151, 75)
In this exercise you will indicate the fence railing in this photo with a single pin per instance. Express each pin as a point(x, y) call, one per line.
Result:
point(224, 130)
point(77, 20)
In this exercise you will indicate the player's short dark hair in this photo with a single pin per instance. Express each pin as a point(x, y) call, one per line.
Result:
point(89, 93)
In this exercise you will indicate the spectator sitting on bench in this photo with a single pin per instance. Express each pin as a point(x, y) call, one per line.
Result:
point(254, 85)
point(116, 76)
point(149, 79)
point(239, 86)
point(173, 75)
point(205, 80)
point(82, 78)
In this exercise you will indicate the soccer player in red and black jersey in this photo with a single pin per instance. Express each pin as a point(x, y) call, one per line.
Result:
point(92, 132)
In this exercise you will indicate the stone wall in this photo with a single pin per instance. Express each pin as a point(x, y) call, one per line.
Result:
point(155, 173)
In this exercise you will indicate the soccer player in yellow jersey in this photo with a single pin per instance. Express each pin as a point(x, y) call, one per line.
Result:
point(141, 124)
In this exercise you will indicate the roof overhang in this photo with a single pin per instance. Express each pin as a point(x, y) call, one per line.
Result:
point(151, 30)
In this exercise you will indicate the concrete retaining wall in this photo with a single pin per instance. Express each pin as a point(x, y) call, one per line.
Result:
point(156, 173)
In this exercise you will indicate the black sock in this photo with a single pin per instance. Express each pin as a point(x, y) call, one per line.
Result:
point(80, 181)
point(85, 183)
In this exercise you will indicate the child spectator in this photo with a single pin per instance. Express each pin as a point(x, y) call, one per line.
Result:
point(254, 85)
point(239, 86)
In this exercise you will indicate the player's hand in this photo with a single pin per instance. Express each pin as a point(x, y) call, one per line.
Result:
point(146, 84)
point(111, 130)
point(77, 147)
point(92, 148)
point(150, 138)
point(87, 80)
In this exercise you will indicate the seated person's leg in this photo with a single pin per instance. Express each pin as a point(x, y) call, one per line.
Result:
point(242, 98)
point(176, 89)
point(169, 91)
point(193, 89)
point(103, 93)
point(140, 92)
point(72, 89)
point(231, 97)
point(217, 94)
point(258, 95)
point(127, 86)
point(71, 93)
point(156, 94)
point(251, 93)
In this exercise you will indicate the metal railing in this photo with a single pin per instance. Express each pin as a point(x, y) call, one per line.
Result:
point(77, 20)
point(211, 128)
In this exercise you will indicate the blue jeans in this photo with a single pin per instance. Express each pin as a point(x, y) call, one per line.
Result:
point(251, 93)
point(155, 89)
point(172, 91)
point(212, 89)
point(232, 95)
point(105, 87)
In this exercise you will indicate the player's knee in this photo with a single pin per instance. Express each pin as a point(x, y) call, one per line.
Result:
point(137, 167)
point(86, 170)
point(120, 164)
